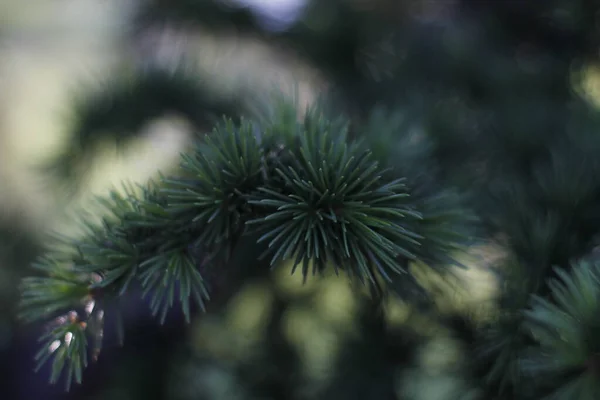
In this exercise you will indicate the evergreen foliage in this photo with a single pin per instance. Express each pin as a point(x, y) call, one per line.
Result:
point(321, 201)
point(434, 153)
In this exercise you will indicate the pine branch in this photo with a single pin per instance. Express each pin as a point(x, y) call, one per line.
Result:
point(566, 328)
point(63, 294)
point(333, 208)
point(67, 345)
point(59, 288)
point(313, 195)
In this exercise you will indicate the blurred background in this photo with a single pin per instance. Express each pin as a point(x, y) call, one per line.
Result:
point(275, 338)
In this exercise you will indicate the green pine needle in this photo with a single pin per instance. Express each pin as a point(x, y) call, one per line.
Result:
point(132, 230)
point(335, 206)
point(222, 173)
point(444, 228)
point(62, 289)
point(66, 346)
point(163, 275)
point(566, 329)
